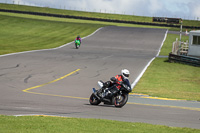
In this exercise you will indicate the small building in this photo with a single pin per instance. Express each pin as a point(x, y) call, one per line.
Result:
point(194, 43)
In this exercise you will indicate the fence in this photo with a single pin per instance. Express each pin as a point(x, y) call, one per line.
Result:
point(194, 61)
point(180, 49)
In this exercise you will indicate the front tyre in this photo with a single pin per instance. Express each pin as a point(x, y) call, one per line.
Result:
point(120, 100)
point(93, 100)
point(76, 45)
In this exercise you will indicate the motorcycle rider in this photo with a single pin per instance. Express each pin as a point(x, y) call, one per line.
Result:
point(115, 83)
point(78, 38)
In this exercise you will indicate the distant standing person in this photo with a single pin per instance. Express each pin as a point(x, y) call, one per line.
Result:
point(78, 42)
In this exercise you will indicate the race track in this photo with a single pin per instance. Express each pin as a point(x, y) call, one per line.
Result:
point(59, 81)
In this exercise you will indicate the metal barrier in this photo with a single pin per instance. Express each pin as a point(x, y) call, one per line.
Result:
point(194, 61)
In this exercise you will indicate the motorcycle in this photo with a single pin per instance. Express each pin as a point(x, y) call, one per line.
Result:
point(77, 44)
point(118, 99)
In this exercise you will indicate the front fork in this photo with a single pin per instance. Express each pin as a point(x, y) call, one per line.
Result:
point(96, 93)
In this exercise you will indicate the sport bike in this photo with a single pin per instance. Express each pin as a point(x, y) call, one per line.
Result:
point(77, 44)
point(117, 98)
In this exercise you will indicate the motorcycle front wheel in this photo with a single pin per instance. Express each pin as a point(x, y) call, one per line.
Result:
point(76, 45)
point(93, 100)
point(120, 100)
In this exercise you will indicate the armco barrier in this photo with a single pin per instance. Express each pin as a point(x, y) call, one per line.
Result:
point(97, 19)
point(194, 61)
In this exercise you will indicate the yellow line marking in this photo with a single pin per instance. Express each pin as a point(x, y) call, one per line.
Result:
point(28, 89)
point(168, 106)
point(159, 98)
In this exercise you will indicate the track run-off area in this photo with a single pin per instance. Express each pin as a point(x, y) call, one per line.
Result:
point(59, 81)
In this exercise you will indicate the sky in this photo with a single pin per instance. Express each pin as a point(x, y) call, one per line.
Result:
point(185, 9)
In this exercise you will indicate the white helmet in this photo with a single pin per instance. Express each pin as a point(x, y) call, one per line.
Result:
point(125, 73)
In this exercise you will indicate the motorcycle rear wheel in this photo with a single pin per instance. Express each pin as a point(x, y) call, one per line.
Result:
point(93, 100)
point(120, 102)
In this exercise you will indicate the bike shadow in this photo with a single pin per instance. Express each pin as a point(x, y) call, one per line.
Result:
point(74, 48)
point(102, 105)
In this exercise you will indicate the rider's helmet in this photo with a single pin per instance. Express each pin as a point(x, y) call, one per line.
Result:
point(78, 36)
point(125, 73)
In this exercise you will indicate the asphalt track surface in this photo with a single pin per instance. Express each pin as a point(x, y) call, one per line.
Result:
point(60, 81)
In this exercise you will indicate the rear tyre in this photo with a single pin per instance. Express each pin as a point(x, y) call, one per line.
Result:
point(120, 101)
point(93, 100)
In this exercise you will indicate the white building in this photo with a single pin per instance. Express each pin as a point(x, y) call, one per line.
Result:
point(194, 43)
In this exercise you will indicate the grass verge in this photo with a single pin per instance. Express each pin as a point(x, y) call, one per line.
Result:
point(35, 124)
point(75, 20)
point(24, 34)
point(170, 80)
point(76, 13)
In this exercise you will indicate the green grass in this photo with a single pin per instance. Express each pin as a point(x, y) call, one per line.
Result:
point(23, 34)
point(76, 13)
point(170, 80)
point(74, 20)
point(90, 14)
point(35, 124)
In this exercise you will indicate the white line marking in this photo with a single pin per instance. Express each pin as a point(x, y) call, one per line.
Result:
point(145, 68)
point(27, 115)
point(50, 49)
point(162, 43)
